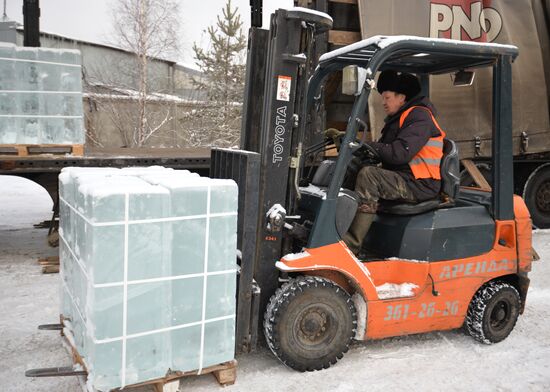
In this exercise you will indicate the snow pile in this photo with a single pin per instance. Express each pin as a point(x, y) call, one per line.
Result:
point(394, 290)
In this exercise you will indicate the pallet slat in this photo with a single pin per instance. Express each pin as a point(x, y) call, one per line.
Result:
point(50, 265)
point(225, 373)
point(50, 269)
point(25, 150)
point(476, 174)
point(338, 37)
point(49, 260)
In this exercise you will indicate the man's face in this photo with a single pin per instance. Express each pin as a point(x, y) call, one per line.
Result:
point(392, 102)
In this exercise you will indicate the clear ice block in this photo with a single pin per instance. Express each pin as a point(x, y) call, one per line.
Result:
point(148, 271)
point(7, 66)
point(41, 99)
point(8, 130)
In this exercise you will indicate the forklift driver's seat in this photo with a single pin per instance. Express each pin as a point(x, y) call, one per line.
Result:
point(450, 184)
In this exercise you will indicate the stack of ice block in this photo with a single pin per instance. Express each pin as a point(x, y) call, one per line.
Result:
point(40, 96)
point(148, 268)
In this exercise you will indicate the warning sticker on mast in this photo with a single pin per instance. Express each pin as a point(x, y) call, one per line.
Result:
point(283, 88)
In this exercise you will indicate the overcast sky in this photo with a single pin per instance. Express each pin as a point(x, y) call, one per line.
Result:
point(90, 20)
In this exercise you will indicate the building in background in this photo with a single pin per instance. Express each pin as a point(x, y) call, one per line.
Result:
point(110, 85)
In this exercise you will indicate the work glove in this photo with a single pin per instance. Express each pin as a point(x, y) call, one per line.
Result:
point(367, 154)
point(334, 134)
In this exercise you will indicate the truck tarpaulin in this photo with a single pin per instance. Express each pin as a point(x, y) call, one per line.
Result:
point(465, 112)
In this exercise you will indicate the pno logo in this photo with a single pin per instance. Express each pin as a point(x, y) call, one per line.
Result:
point(467, 20)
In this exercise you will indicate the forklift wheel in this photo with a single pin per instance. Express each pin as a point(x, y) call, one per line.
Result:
point(493, 312)
point(309, 323)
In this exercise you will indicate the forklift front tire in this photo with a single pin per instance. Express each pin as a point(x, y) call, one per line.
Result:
point(310, 323)
point(493, 312)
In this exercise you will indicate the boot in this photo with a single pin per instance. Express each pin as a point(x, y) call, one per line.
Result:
point(358, 230)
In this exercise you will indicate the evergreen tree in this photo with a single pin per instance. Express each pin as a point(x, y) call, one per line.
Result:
point(224, 72)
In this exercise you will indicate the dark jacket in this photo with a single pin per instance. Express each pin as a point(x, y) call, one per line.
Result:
point(397, 147)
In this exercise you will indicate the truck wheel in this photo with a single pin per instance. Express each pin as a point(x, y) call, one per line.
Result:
point(536, 194)
point(309, 323)
point(493, 312)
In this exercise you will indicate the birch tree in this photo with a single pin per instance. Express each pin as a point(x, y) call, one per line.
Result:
point(149, 29)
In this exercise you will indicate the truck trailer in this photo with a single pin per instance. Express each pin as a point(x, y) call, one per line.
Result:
point(465, 116)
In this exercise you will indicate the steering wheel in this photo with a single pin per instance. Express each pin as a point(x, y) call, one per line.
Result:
point(367, 153)
point(364, 155)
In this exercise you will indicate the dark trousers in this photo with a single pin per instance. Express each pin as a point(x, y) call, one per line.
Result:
point(374, 183)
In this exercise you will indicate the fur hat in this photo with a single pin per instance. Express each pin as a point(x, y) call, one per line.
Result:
point(398, 82)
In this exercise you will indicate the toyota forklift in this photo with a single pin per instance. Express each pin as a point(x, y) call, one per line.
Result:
point(461, 260)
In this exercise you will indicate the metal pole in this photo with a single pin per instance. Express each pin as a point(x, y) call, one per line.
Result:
point(31, 23)
point(503, 167)
point(256, 13)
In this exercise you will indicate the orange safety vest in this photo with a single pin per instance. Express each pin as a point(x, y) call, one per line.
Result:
point(426, 163)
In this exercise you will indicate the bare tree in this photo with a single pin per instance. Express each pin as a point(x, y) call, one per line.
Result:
point(149, 29)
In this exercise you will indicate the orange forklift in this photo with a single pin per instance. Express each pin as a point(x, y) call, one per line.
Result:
point(459, 260)
point(439, 264)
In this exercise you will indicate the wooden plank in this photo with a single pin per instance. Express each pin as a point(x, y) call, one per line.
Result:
point(50, 265)
point(339, 37)
point(471, 167)
point(225, 373)
point(50, 269)
point(78, 150)
point(22, 151)
point(25, 150)
point(49, 260)
point(12, 149)
point(226, 376)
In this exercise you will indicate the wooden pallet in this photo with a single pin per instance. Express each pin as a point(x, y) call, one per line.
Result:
point(50, 265)
point(27, 150)
point(225, 373)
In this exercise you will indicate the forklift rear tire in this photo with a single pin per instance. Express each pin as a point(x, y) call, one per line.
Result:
point(310, 323)
point(493, 312)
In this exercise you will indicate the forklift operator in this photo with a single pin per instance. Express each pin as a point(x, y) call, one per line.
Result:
point(410, 150)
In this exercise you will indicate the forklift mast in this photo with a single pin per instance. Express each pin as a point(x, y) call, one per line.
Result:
point(280, 141)
point(31, 21)
point(274, 123)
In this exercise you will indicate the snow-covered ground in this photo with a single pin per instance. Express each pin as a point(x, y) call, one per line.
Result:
point(442, 361)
